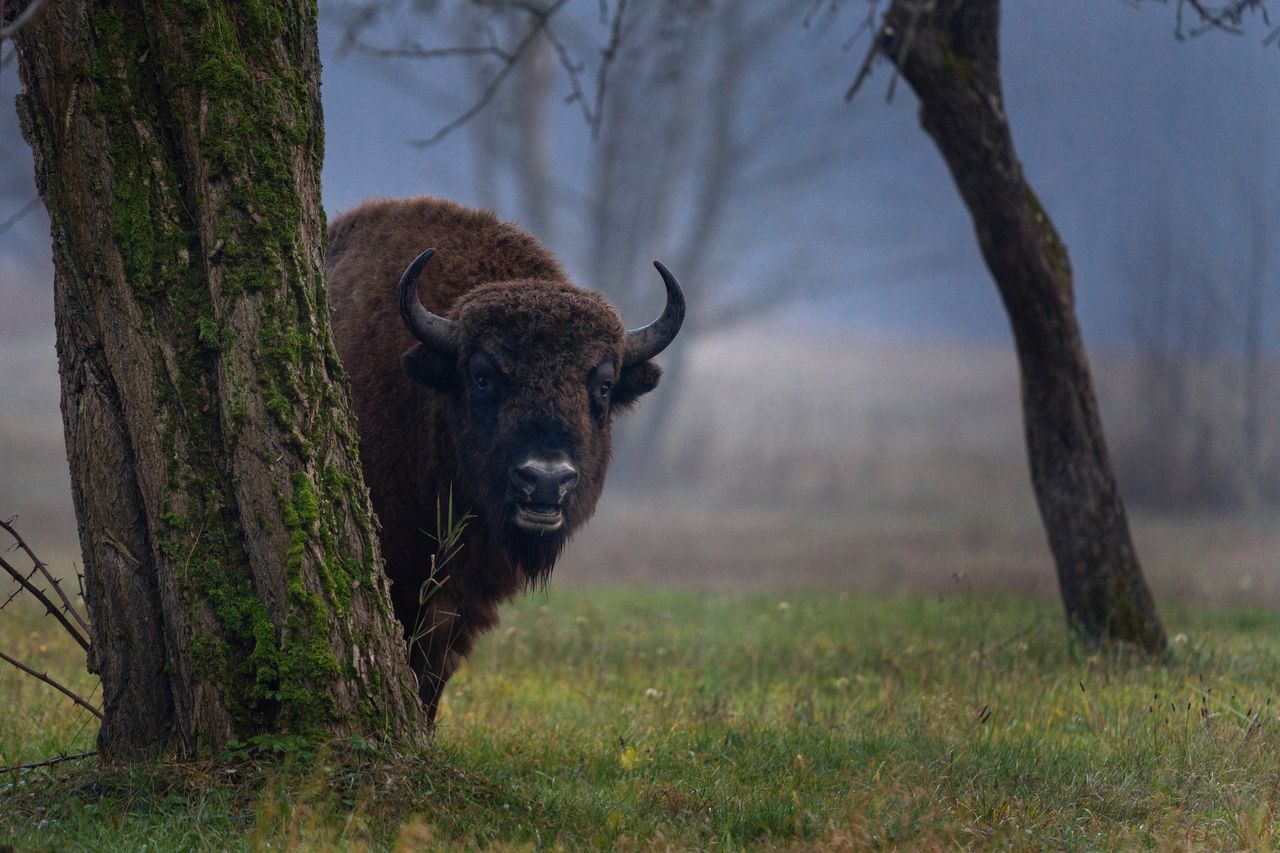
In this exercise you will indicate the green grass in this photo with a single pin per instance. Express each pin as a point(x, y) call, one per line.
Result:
point(641, 718)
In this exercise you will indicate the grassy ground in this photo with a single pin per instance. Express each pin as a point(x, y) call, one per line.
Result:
point(640, 718)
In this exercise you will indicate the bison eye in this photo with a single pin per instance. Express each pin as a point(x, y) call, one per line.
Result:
point(602, 391)
point(485, 378)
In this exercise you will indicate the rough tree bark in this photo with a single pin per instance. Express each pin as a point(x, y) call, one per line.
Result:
point(948, 50)
point(231, 567)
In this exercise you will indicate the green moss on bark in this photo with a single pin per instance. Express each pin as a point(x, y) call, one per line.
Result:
point(1054, 249)
point(259, 132)
point(961, 67)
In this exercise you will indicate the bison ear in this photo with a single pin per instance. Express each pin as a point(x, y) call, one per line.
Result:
point(430, 368)
point(635, 381)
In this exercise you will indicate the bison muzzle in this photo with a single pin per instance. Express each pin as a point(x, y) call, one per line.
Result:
point(485, 378)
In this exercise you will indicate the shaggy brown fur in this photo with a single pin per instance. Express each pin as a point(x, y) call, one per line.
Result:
point(424, 433)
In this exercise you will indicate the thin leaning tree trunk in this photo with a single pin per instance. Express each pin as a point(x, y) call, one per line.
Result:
point(232, 573)
point(948, 50)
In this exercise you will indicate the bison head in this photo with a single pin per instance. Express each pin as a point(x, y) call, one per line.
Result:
point(533, 372)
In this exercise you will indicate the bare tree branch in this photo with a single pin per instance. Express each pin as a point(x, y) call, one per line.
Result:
point(541, 17)
point(44, 676)
point(592, 111)
point(884, 36)
point(1228, 16)
point(418, 51)
point(22, 212)
point(49, 762)
point(607, 57)
point(572, 70)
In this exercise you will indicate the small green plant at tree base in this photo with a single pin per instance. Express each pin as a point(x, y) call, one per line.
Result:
point(448, 539)
point(271, 745)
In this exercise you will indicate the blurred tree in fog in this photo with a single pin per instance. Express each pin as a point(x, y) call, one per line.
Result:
point(949, 52)
point(1203, 395)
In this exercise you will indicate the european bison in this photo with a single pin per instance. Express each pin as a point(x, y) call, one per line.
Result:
point(496, 386)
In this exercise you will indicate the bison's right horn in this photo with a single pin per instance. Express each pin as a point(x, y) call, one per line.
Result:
point(644, 343)
point(436, 332)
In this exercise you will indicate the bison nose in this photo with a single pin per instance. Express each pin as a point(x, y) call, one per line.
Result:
point(545, 481)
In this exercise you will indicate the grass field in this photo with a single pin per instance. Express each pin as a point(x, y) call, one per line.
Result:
point(639, 718)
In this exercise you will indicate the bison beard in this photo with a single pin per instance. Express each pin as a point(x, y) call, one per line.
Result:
point(493, 381)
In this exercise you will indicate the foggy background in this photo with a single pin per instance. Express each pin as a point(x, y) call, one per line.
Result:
point(842, 407)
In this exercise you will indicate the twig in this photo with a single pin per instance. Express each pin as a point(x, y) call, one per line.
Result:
point(49, 762)
point(868, 25)
point(44, 676)
point(572, 70)
point(607, 56)
point(864, 70)
point(540, 19)
point(896, 46)
point(24, 17)
point(417, 51)
point(1228, 17)
point(10, 599)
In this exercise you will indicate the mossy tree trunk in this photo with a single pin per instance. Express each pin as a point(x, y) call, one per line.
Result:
point(231, 566)
point(948, 50)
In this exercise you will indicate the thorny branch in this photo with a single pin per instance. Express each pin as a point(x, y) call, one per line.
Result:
point(77, 633)
point(80, 633)
point(44, 676)
point(25, 582)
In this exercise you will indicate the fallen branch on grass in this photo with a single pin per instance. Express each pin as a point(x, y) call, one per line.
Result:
point(49, 762)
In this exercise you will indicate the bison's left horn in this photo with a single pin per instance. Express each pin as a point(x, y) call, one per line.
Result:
point(644, 343)
point(436, 332)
